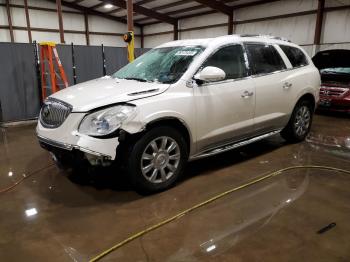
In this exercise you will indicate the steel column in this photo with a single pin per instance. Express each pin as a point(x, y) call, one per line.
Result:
point(319, 21)
point(28, 20)
point(60, 20)
point(9, 18)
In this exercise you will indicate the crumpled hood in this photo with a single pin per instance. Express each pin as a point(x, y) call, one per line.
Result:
point(106, 90)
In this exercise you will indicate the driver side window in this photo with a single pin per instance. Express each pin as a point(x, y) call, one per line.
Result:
point(231, 60)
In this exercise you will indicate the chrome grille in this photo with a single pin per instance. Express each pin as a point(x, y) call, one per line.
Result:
point(54, 112)
point(332, 91)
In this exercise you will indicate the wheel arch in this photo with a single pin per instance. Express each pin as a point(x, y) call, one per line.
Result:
point(308, 97)
point(176, 123)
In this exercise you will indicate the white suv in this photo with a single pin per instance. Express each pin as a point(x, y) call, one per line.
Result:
point(181, 101)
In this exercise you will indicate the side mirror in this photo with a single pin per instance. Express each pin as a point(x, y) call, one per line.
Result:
point(210, 74)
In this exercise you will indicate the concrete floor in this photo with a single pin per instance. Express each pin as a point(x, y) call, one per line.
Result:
point(73, 219)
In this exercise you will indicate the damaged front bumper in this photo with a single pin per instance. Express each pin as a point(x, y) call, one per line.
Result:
point(66, 140)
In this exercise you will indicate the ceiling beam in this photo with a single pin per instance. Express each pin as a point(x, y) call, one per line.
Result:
point(255, 3)
point(97, 6)
point(173, 4)
point(180, 11)
point(218, 6)
point(197, 7)
point(92, 12)
point(143, 11)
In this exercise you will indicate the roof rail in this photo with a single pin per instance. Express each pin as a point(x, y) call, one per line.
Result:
point(265, 36)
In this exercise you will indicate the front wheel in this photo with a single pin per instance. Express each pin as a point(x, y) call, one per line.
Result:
point(157, 159)
point(299, 124)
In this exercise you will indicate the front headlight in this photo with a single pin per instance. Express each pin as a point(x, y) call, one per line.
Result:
point(106, 121)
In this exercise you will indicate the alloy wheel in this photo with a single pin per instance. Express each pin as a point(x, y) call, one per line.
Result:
point(160, 159)
point(302, 121)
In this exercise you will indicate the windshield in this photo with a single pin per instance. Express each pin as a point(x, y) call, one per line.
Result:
point(336, 70)
point(164, 65)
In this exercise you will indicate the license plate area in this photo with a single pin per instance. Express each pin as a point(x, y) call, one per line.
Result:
point(325, 102)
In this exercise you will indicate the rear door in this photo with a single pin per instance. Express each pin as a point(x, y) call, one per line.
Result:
point(272, 87)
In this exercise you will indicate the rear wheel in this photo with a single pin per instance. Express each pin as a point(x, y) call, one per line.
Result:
point(157, 159)
point(299, 124)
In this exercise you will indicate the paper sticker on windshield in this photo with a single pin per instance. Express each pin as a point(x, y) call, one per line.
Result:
point(186, 53)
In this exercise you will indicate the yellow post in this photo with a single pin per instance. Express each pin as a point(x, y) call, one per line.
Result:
point(131, 48)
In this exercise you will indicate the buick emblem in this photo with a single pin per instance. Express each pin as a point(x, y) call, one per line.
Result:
point(46, 111)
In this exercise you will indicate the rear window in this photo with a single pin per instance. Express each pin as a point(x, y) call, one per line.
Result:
point(295, 55)
point(264, 59)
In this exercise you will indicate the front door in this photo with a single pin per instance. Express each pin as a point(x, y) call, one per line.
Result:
point(225, 109)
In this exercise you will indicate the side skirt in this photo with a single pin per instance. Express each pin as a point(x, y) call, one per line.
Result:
point(233, 145)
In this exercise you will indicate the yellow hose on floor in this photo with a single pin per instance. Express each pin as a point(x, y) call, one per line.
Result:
point(182, 213)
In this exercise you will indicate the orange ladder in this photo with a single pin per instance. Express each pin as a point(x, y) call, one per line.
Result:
point(49, 61)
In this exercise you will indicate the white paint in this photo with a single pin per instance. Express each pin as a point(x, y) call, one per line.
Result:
point(336, 26)
point(44, 36)
point(156, 28)
point(299, 30)
point(73, 21)
point(21, 36)
point(209, 32)
point(77, 39)
point(152, 41)
point(18, 17)
point(210, 19)
point(5, 35)
point(3, 16)
point(275, 8)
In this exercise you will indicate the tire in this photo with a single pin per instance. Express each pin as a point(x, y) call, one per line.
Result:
point(157, 159)
point(299, 124)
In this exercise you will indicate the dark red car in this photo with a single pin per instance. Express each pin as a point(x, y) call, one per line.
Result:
point(334, 66)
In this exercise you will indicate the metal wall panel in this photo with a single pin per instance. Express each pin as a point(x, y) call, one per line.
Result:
point(89, 62)
point(18, 84)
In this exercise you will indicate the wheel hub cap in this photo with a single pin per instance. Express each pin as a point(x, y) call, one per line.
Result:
point(161, 159)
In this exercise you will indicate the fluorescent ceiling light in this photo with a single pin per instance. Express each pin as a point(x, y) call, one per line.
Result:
point(108, 6)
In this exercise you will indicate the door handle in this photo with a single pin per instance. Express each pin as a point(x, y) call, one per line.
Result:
point(247, 94)
point(287, 85)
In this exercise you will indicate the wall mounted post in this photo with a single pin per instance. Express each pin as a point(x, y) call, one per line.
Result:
point(28, 21)
point(37, 71)
point(73, 65)
point(9, 19)
point(87, 33)
point(60, 20)
point(230, 24)
point(319, 22)
point(103, 60)
point(176, 31)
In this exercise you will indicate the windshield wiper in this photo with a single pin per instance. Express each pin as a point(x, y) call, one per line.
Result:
point(136, 79)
